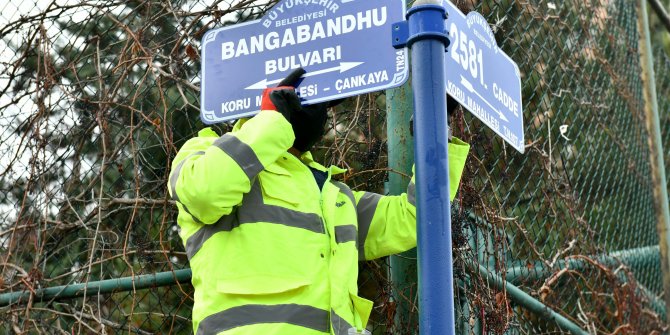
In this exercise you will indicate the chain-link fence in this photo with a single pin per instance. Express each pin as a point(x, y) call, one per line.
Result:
point(662, 68)
point(97, 96)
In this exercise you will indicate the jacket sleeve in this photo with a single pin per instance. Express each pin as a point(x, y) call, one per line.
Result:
point(210, 175)
point(387, 224)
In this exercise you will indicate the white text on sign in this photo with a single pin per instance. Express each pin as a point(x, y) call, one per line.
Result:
point(287, 5)
point(505, 99)
point(304, 33)
point(466, 53)
point(361, 80)
point(306, 59)
point(241, 104)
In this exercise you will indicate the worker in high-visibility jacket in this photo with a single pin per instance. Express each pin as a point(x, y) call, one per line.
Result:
point(272, 238)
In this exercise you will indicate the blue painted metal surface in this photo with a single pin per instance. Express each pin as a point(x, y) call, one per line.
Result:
point(427, 40)
point(344, 45)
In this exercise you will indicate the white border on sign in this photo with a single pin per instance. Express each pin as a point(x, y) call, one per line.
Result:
point(205, 40)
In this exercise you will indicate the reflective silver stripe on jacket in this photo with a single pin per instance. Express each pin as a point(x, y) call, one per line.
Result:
point(346, 190)
point(173, 183)
point(340, 325)
point(253, 210)
point(195, 241)
point(411, 193)
point(246, 315)
point(365, 210)
point(345, 234)
point(241, 153)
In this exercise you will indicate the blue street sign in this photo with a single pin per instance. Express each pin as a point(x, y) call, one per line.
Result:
point(482, 77)
point(344, 45)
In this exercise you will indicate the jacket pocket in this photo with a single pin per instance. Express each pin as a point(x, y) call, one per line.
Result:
point(362, 310)
point(279, 187)
point(260, 285)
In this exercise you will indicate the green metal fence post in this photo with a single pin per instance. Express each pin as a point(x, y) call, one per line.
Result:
point(524, 299)
point(655, 146)
point(399, 107)
point(125, 284)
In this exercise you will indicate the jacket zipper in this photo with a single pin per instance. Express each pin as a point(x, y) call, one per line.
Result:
point(323, 222)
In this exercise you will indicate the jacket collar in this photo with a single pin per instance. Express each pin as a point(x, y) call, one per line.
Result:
point(306, 157)
point(308, 160)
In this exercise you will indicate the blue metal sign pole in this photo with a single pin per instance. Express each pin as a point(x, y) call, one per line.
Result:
point(427, 40)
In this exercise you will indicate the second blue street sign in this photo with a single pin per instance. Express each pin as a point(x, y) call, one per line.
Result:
point(482, 77)
point(344, 45)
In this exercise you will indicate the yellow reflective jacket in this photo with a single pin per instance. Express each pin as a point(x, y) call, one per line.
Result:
point(270, 252)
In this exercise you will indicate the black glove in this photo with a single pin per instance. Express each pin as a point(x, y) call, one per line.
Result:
point(309, 125)
point(308, 122)
point(283, 98)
